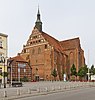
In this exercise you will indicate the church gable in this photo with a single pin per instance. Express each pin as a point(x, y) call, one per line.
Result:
point(36, 38)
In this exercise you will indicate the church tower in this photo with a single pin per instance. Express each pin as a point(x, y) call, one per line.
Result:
point(38, 23)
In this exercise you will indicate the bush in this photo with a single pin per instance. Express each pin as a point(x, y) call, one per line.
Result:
point(24, 79)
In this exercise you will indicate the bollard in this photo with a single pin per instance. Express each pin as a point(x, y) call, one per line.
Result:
point(59, 87)
point(53, 88)
point(29, 91)
point(46, 89)
point(38, 89)
point(5, 93)
point(77, 85)
point(18, 91)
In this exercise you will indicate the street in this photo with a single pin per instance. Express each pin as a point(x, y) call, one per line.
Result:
point(48, 90)
point(79, 94)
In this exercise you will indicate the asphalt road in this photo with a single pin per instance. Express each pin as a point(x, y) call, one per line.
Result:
point(79, 94)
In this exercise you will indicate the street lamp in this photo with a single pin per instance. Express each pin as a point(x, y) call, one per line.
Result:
point(3, 61)
point(9, 64)
point(19, 74)
point(88, 65)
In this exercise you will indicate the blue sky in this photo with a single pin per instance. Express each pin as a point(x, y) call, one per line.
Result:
point(62, 19)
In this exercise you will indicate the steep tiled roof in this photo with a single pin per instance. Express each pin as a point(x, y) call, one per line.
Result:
point(71, 43)
point(53, 42)
point(18, 59)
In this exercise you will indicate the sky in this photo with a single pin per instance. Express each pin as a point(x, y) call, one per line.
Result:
point(62, 19)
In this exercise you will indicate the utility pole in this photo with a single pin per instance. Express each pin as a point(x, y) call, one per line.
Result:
point(88, 66)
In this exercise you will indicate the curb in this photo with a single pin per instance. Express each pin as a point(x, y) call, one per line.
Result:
point(42, 93)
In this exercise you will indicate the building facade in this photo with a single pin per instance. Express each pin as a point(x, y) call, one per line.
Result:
point(44, 54)
point(3, 54)
point(74, 54)
point(18, 69)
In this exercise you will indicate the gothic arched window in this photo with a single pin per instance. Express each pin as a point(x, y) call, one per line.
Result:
point(71, 59)
point(33, 51)
point(39, 50)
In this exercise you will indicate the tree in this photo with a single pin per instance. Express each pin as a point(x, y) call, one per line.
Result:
point(83, 72)
point(73, 70)
point(54, 73)
point(24, 79)
point(92, 70)
point(4, 74)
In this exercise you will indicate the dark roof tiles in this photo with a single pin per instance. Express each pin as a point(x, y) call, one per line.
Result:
point(18, 59)
point(55, 43)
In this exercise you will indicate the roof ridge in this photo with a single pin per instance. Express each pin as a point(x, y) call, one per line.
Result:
point(19, 59)
point(50, 38)
point(70, 39)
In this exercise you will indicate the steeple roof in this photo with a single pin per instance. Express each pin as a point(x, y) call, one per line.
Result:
point(38, 23)
point(38, 16)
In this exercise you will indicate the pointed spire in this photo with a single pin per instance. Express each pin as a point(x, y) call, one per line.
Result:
point(38, 10)
point(38, 23)
point(38, 16)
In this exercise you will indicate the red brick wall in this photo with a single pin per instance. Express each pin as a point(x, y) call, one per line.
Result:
point(15, 73)
point(43, 62)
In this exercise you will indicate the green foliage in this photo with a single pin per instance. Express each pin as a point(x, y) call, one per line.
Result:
point(4, 74)
point(92, 70)
point(73, 70)
point(24, 79)
point(54, 73)
point(83, 71)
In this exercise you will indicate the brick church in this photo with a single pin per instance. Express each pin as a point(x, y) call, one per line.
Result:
point(44, 54)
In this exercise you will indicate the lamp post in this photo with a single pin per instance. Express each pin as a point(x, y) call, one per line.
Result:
point(88, 65)
point(11, 74)
point(9, 64)
point(3, 61)
point(19, 74)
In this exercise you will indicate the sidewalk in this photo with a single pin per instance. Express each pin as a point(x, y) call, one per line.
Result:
point(41, 88)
